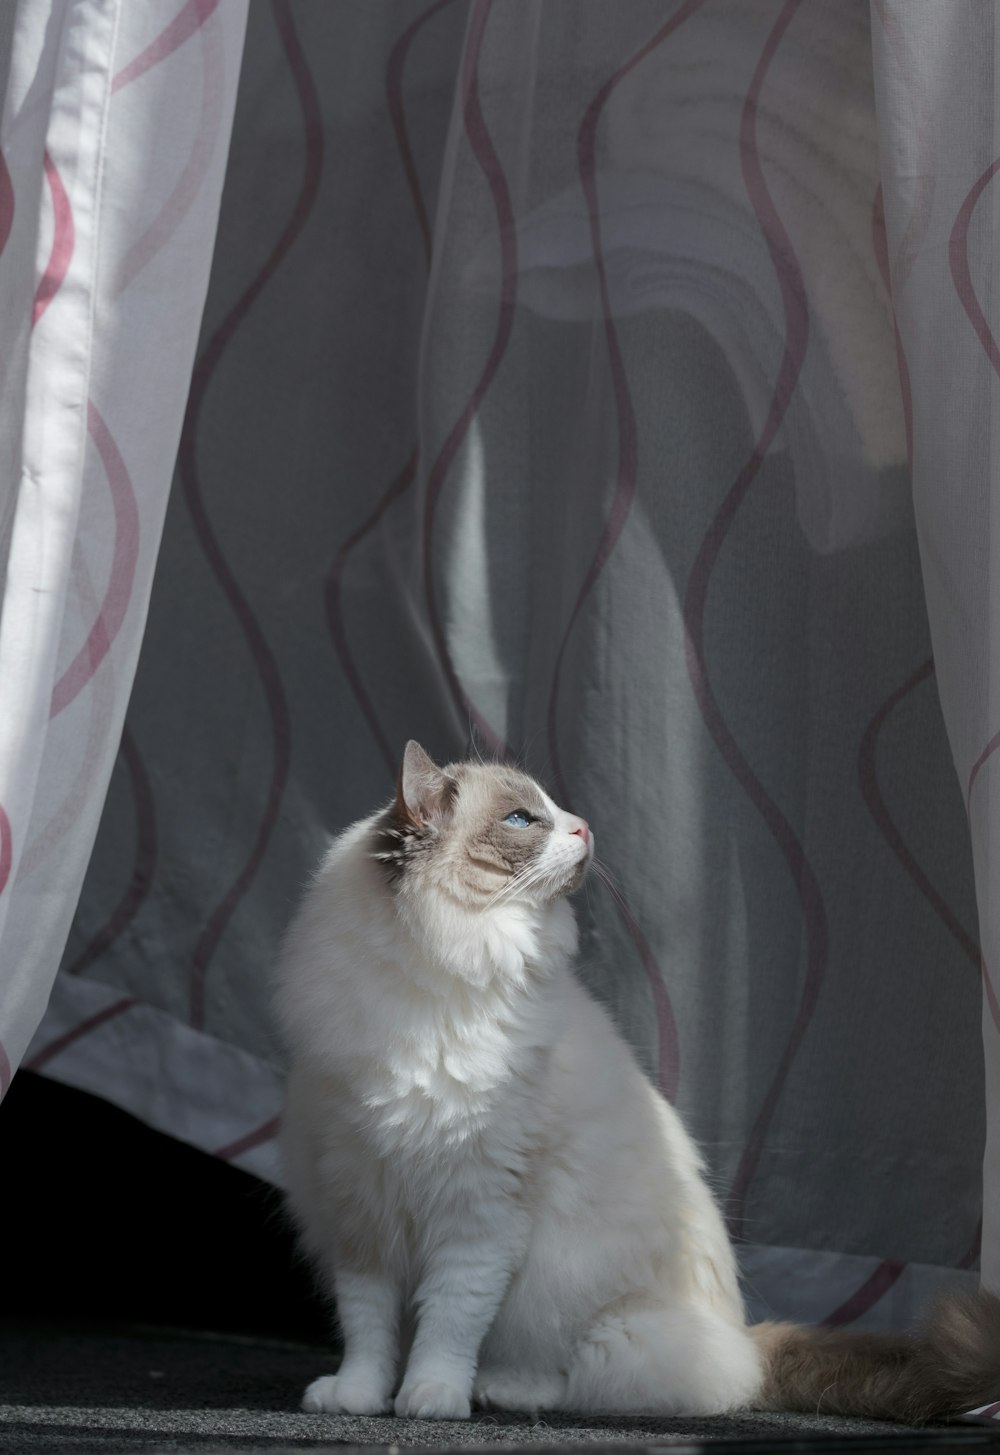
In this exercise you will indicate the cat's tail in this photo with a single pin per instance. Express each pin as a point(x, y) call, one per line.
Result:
point(950, 1368)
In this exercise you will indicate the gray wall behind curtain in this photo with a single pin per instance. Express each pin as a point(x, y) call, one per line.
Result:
point(615, 478)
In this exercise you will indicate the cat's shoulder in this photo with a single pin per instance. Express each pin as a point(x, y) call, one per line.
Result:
point(347, 865)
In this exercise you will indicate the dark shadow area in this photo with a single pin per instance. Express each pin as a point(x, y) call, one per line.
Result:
point(106, 1367)
point(18, 1435)
point(115, 1223)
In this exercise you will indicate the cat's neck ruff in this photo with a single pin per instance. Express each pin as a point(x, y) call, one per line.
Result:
point(509, 946)
point(427, 1009)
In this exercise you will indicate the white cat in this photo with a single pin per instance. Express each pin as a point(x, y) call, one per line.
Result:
point(502, 1206)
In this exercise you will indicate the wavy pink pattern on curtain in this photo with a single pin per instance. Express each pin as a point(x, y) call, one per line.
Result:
point(796, 314)
point(668, 1061)
point(6, 849)
point(397, 115)
point(54, 1048)
point(154, 238)
point(880, 242)
point(621, 505)
point(190, 18)
point(958, 258)
point(402, 482)
point(122, 575)
point(991, 995)
point(6, 202)
point(875, 803)
point(260, 652)
point(256, 1138)
point(144, 864)
point(489, 162)
point(123, 499)
point(961, 273)
point(335, 616)
point(978, 766)
point(63, 241)
point(485, 153)
point(875, 1286)
point(668, 1071)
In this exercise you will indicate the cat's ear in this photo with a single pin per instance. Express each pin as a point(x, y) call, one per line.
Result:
point(424, 792)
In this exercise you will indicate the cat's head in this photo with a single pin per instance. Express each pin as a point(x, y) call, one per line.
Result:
point(484, 833)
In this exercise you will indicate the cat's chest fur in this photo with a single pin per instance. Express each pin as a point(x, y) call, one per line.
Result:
point(458, 1072)
point(438, 1037)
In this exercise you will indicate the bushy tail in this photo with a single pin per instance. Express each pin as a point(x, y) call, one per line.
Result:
point(952, 1367)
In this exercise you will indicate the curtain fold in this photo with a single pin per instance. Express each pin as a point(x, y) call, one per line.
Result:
point(936, 68)
point(112, 155)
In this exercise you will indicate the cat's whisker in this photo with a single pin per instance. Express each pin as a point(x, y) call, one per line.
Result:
point(602, 870)
point(620, 902)
point(612, 886)
point(505, 890)
point(524, 879)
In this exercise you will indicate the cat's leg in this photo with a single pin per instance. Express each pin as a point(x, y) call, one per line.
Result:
point(457, 1299)
point(368, 1310)
point(527, 1390)
point(671, 1361)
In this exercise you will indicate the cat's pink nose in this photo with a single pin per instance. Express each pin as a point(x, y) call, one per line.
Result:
point(581, 827)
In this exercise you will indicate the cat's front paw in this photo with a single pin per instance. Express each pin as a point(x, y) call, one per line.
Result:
point(332, 1395)
point(429, 1399)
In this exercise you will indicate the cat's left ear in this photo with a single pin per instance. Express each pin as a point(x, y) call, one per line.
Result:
point(424, 792)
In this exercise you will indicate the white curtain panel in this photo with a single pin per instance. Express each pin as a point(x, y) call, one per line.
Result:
point(937, 70)
point(113, 145)
point(564, 372)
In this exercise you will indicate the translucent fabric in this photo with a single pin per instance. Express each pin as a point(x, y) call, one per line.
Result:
point(609, 385)
point(113, 143)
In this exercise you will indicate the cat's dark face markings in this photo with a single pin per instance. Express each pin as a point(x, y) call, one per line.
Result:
point(478, 830)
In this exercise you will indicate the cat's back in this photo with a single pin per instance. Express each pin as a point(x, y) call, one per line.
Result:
point(339, 939)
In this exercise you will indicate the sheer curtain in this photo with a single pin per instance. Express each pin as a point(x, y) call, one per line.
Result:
point(113, 146)
point(935, 76)
point(608, 385)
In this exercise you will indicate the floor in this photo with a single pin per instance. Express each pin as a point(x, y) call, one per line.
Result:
point(138, 1389)
point(159, 1235)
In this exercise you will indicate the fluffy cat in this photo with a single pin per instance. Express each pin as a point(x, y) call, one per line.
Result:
point(503, 1208)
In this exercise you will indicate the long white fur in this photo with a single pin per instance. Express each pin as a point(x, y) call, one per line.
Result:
point(501, 1204)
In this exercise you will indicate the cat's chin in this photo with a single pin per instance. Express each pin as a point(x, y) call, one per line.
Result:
point(561, 890)
point(580, 872)
point(577, 877)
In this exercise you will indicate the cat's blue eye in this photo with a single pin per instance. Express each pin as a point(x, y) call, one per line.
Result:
point(518, 819)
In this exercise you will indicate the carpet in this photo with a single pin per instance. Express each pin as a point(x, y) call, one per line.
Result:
point(83, 1390)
